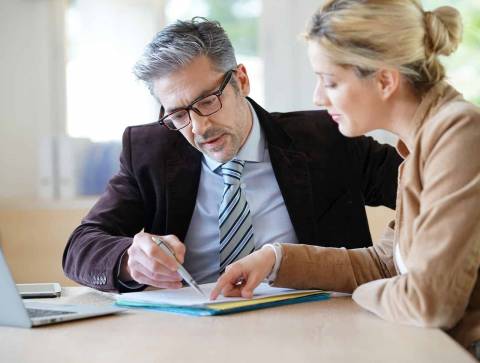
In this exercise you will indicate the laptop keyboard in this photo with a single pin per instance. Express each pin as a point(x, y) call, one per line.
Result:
point(40, 313)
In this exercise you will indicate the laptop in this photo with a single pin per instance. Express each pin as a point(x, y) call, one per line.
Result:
point(15, 312)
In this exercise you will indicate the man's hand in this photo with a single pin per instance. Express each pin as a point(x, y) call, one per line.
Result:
point(243, 276)
point(146, 263)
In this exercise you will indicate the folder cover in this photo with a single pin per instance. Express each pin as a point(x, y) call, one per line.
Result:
point(186, 301)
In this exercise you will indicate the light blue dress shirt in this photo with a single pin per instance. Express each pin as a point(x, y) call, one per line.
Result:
point(270, 219)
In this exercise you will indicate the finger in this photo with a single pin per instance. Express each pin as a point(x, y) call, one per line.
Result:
point(153, 251)
point(156, 267)
point(229, 278)
point(217, 289)
point(143, 279)
point(250, 284)
point(232, 290)
point(177, 246)
point(154, 276)
point(221, 284)
point(138, 256)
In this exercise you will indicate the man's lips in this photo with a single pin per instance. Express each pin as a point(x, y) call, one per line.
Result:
point(211, 142)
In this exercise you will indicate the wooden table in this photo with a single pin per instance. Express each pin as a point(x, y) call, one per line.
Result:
point(336, 330)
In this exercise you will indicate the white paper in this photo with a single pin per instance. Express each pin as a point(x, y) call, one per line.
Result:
point(187, 296)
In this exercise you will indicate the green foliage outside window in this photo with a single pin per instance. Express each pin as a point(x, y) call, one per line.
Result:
point(241, 26)
point(239, 18)
point(463, 66)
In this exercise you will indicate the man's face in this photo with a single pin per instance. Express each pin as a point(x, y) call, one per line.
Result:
point(222, 134)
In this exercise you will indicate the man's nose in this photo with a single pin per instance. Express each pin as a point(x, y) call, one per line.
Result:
point(199, 123)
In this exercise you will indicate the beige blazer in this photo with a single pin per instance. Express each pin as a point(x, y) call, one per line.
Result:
point(437, 228)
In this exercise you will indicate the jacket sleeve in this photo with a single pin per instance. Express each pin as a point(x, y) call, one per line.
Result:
point(444, 257)
point(335, 269)
point(377, 165)
point(94, 249)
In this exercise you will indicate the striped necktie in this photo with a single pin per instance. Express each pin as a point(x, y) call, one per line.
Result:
point(235, 222)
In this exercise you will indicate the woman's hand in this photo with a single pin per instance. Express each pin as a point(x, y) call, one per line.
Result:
point(243, 276)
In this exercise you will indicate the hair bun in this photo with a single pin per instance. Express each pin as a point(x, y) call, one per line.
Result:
point(443, 30)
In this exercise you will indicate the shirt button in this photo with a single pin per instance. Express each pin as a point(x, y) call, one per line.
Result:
point(242, 185)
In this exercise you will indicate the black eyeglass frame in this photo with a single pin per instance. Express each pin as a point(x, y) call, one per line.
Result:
point(191, 107)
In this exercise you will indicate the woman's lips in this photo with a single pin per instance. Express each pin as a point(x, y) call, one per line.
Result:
point(336, 117)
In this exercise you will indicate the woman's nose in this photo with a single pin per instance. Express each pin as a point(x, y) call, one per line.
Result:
point(320, 97)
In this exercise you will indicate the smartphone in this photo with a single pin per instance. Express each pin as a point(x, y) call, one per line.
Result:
point(30, 291)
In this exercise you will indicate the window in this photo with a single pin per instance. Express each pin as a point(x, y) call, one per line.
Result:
point(105, 38)
point(241, 21)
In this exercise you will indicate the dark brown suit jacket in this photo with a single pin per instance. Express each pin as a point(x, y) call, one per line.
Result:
point(325, 179)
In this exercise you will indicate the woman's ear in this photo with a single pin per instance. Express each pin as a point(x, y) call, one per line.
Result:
point(387, 81)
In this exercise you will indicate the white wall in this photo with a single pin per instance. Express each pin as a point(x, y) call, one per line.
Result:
point(289, 80)
point(33, 95)
point(31, 89)
point(32, 81)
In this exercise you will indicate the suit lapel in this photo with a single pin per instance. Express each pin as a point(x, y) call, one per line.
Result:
point(291, 171)
point(183, 177)
point(309, 184)
point(292, 174)
point(294, 171)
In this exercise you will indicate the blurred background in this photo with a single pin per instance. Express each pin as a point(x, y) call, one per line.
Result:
point(67, 92)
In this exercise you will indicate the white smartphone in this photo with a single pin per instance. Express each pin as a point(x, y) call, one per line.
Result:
point(30, 291)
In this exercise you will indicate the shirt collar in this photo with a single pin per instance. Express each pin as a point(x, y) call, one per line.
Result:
point(435, 98)
point(254, 148)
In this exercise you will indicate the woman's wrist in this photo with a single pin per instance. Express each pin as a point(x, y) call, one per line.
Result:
point(276, 248)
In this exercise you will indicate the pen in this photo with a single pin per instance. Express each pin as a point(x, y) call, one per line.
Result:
point(181, 270)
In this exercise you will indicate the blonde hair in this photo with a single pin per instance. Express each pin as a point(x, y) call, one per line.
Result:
point(369, 34)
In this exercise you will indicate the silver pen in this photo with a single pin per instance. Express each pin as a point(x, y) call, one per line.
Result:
point(181, 270)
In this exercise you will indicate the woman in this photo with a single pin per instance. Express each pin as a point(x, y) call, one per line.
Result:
point(377, 67)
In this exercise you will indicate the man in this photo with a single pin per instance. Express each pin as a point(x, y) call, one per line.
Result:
point(219, 176)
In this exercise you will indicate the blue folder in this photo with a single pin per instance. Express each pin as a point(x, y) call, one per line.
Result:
point(210, 309)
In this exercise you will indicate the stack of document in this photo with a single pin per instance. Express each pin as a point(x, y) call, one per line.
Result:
point(188, 301)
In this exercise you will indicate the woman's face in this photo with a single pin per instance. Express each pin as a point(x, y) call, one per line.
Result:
point(353, 102)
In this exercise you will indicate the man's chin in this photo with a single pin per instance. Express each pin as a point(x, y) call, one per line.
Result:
point(220, 158)
point(219, 155)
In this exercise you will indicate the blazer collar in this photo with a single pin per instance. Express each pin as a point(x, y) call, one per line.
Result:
point(289, 165)
point(182, 179)
point(292, 172)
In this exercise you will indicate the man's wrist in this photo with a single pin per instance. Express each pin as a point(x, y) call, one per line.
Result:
point(124, 279)
point(123, 272)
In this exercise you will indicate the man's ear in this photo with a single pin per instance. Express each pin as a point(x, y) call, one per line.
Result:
point(242, 79)
point(387, 81)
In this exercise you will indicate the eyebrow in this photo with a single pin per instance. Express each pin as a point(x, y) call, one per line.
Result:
point(203, 94)
point(324, 74)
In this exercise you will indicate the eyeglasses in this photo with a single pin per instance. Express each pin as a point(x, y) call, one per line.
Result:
point(203, 106)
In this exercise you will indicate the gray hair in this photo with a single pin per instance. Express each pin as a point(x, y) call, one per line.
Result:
point(179, 43)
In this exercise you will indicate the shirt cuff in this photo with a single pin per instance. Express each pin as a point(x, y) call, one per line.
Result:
point(128, 285)
point(277, 249)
